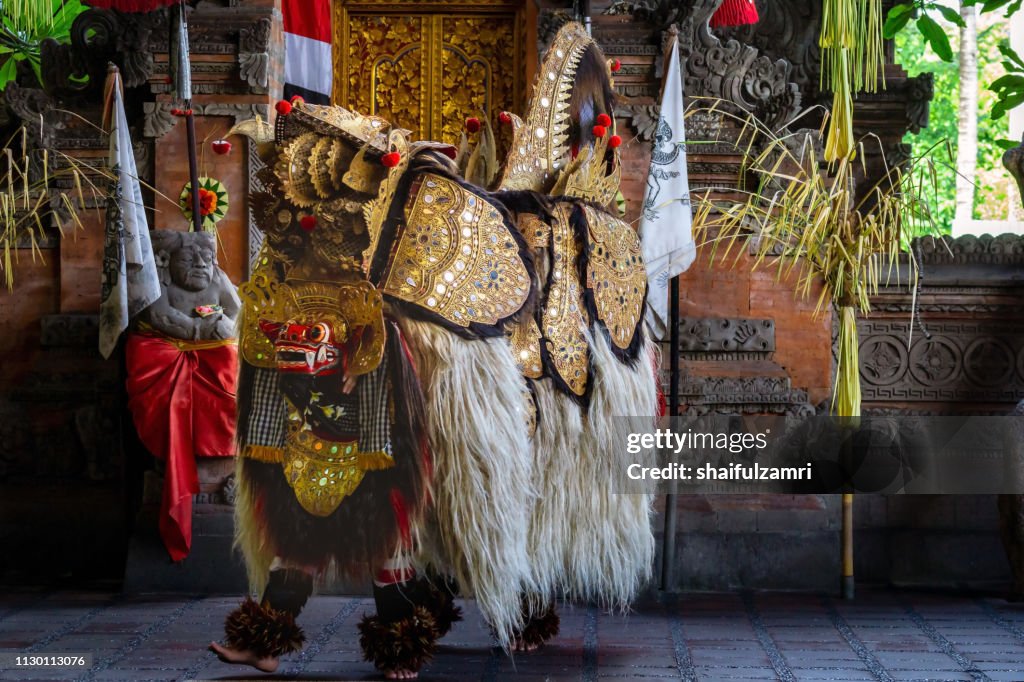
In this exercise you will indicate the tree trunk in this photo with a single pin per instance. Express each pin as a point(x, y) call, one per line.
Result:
point(967, 140)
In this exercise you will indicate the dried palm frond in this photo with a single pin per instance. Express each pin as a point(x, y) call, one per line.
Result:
point(851, 59)
point(811, 224)
point(38, 190)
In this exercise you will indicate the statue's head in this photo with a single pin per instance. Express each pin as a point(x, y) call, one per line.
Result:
point(189, 257)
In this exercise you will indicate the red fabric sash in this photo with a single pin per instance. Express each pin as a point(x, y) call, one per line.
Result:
point(182, 399)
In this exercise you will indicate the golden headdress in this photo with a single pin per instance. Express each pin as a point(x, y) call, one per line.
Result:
point(573, 81)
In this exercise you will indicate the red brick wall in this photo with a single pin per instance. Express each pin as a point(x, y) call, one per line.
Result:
point(171, 162)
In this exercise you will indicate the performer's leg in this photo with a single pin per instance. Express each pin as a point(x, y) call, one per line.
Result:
point(257, 634)
point(412, 614)
point(541, 625)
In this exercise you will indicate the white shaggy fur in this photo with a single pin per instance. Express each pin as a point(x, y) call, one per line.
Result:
point(483, 491)
point(588, 541)
point(612, 546)
point(517, 517)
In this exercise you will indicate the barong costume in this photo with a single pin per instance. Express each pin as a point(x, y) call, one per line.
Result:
point(493, 336)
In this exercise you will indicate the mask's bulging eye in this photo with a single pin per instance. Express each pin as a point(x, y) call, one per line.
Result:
point(319, 333)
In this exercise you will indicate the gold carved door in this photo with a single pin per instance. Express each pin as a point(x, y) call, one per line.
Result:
point(426, 66)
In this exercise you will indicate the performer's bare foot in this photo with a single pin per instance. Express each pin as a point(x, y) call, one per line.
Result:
point(401, 674)
point(267, 664)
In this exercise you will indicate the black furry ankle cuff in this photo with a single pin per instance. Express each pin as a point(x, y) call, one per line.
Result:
point(262, 630)
point(441, 603)
point(405, 644)
point(540, 629)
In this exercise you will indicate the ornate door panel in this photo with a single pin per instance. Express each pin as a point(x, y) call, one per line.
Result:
point(426, 66)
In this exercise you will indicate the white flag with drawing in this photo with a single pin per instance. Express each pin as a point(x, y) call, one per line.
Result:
point(130, 282)
point(666, 232)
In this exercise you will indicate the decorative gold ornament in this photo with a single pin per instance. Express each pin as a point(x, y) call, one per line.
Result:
point(564, 321)
point(615, 274)
point(319, 168)
point(292, 170)
point(539, 149)
point(588, 177)
point(350, 307)
point(524, 337)
point(321, 472)
point(334, 121)
point(339, 159)
point(456, 257)
point(363, 174)
point(262, 297)
point(535, 231)
point(376, 211)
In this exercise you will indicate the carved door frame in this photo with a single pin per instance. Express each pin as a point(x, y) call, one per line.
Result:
point(525, 19)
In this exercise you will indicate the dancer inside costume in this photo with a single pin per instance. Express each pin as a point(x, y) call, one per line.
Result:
point(431, 374)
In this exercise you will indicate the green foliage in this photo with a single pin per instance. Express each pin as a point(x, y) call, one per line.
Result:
point(990, 201)
point(941, 133)
point(925, 10)
point(1009, 89)
point(935, 36)
point(25, 24)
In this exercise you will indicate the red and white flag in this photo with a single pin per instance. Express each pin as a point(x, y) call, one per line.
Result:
point(307, 50)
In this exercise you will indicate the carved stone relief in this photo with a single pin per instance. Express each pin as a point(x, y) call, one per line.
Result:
point(726, 334)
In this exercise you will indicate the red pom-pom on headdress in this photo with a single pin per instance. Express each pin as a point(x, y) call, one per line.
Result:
point(616, 65)
point(614, 141)
point(391, 159)
point(599, 131)
point(472, 124)
point(297, 99)
point(283, 107)
point(505, 118)
point(735, 13)
point(604, 120)
point(308, 223)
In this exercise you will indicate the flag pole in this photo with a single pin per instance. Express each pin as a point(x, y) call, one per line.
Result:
point(193, 168)
point(669, 529)
point(183, 87)
point(669, 535)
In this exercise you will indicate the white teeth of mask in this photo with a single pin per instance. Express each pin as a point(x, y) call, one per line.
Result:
point(310, 358)
point(321, 355)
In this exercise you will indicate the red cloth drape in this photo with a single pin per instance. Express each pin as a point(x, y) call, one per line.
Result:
point(182, 399)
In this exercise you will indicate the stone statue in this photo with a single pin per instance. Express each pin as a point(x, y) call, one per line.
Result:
point(198, 301)
point(182, 368)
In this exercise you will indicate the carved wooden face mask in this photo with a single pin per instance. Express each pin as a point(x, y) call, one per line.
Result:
point(306, 348)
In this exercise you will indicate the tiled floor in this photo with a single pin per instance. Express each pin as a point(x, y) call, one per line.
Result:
point(882, 635)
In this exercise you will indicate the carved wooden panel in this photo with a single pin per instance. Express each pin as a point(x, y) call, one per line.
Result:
point(959, 361)
point(967, 350)
point(426, 66)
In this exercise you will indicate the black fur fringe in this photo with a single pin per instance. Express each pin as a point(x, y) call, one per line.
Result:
point(540, 629)
point(440, 601)
point(363, 531)
point(405, 644)
point(592, 95)
point(263, 630)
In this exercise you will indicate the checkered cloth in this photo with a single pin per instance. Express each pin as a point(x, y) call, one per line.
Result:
point(365, 411)
point(269, 414)
point(374, 415)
